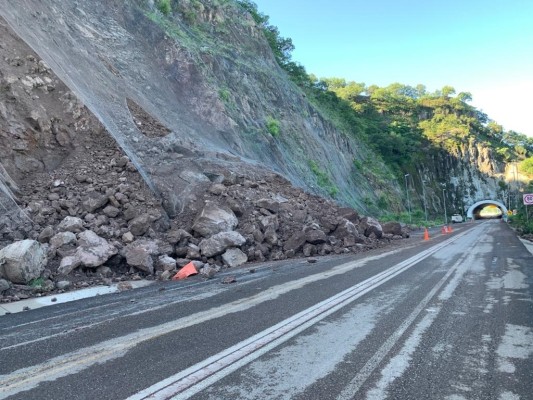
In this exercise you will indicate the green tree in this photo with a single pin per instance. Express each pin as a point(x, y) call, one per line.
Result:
point(345, 90)
point(447, 91)
point(421, 90)
point(334, 83)
point(494, 129)
point(351, 91)
point(464, 96)
point(164, 6)
point(281, 47)
point(526, 166)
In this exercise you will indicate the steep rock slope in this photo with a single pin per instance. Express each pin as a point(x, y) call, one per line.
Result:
point(468, 173)
point(206, 73)
point(89, 216)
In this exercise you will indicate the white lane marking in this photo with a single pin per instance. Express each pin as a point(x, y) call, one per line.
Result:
point(104, 308)
point(74, 362)
point(364, 373)
point(399, 363)
point(290, 369)
point(196, 378)
point(110, 316)
point(28, 378)
point(528, 245)
point(38, 302)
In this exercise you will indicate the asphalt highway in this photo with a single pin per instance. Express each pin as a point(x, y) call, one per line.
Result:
point(448, 318)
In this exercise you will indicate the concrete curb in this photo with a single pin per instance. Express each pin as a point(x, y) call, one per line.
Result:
point(38, 302)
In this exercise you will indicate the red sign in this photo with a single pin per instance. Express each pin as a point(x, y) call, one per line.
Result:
point(528, 199)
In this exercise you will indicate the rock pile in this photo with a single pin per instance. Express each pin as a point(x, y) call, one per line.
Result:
point(88, 217)
point(83, 227)
point(92, 220)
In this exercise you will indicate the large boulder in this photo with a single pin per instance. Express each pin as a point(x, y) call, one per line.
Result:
point(234, 257)
point(270, 236)
point(92, 252)
point(295, 242)
point(71, 224)
point(4, 285)
point(314, 235)
point(345, 228)
point(166, 263)
point(214, 219)
point(350, 214)
point(22, 261)
point(140, 254)
point(371, 226)
point(328, 223)
point(268, 204)
point(175, 236)
point(68, 264)
point(94, 201)
point(216, 244)
point(393, 228)
point(270, 221)
point(46, 234)
point(139, 225)
point(63, 239)
point(348, 233)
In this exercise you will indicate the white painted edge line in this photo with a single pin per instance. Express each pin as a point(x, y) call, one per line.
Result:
point(50, 300)
point(527, 244)
point(195, 378)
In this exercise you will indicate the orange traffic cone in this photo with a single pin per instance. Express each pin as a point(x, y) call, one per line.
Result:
point(426, 234)
point(450, 230)
point(186, 271)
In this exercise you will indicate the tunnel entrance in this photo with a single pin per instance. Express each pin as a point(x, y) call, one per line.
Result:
point(487, 209)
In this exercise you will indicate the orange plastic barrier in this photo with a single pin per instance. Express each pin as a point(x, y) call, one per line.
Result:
point(185, 272)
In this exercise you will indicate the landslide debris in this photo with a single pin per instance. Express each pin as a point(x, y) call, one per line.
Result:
point(86, 215)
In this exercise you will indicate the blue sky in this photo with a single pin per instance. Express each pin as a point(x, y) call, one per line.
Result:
point(481, 47)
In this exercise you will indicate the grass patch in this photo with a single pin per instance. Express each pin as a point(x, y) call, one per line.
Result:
point(164, 6)
point(224, 94)
point(273, 126)
point(37, 283)
point(322, 179)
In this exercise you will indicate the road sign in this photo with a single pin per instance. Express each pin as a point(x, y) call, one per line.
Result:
point(528, 199)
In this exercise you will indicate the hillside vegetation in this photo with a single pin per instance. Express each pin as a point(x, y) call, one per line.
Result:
point(397, 120)
point(403, 124)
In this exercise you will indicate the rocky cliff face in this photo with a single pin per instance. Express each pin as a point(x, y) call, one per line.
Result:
point(468, 173)
point(207, 74)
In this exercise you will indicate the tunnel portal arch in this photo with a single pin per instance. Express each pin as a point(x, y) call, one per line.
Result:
point(501, 206)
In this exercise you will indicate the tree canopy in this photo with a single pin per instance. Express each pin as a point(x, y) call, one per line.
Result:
point(398, 121)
